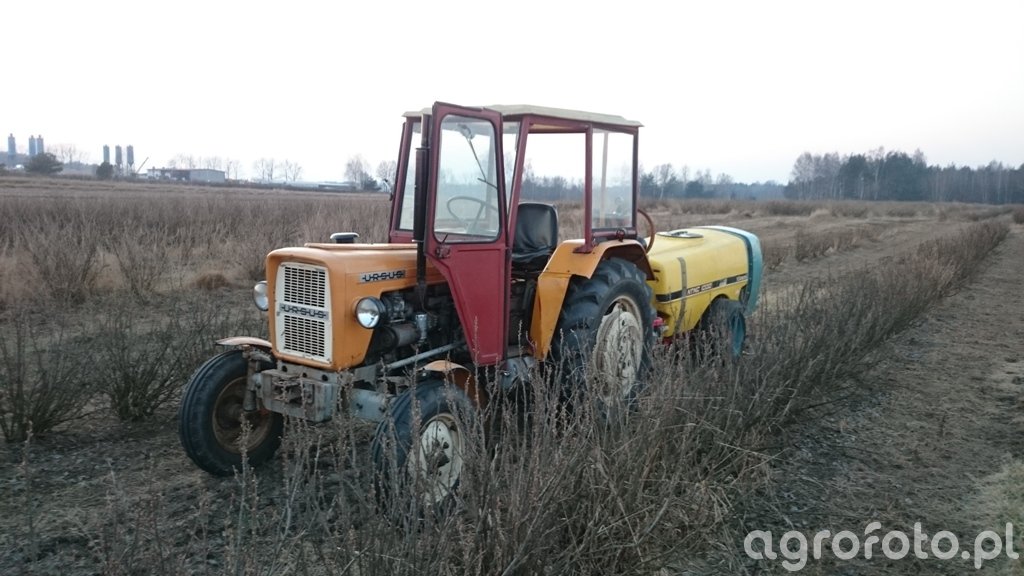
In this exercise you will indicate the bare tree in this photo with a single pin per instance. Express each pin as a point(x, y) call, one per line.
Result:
point(387, 171)
point(183, 161)
point(684, 175)
point(356, 169)
point(68, 153)
point(231, 167)
point(663, 177)
point(264, 169)
point(212, 162)
point(292, 170)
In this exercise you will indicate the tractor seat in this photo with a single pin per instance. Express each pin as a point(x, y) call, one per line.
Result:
point(536, 236)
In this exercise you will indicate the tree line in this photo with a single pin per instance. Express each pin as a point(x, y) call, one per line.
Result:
point(663, 182)
point(874, 175)
point(895, 175)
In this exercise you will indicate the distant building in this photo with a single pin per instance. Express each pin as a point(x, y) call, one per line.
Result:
point(198, 175)
point(347, 186)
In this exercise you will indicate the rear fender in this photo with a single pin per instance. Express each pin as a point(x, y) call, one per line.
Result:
point(553, 283)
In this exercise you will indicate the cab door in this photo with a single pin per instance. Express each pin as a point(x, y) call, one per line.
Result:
point(466, 222)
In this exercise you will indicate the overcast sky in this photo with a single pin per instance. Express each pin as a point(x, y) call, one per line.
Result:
point(739, 87)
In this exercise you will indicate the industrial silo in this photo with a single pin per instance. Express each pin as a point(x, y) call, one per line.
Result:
point(117, 156)
point(31, 146)
point(12, 149)
point(106, 154)
point(39, 144)
point(131, 155)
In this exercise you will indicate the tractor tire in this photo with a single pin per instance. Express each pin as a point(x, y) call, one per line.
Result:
point(420, 448)
point(725, 329)
point(210, 418)
point(602, 345)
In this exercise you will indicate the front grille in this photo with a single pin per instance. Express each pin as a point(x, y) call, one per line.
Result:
point(304, 335)
point(304, 286)
point(303, 311)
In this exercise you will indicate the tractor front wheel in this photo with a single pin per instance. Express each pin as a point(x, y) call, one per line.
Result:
point(419, 450)
point(214, 428)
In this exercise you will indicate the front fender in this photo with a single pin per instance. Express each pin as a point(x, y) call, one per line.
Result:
point(245, 341)
point(460, 376)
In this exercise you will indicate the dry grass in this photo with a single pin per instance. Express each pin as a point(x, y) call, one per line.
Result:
point(147, 243)
point(1018, 215)
point(546, 490)
point(1001, 500)
point(814, 244)
point(42, 384)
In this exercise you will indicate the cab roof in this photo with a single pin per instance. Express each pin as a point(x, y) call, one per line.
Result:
point(515, 111)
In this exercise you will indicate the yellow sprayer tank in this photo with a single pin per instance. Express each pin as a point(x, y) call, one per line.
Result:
point(694, 266)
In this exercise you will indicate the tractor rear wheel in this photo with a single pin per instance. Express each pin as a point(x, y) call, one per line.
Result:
point(605, 334)
point(213, 427)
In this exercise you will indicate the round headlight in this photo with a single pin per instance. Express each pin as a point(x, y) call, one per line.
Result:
point(259, 295)
point(368, 312)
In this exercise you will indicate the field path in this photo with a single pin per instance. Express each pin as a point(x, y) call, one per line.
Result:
point(940, 425)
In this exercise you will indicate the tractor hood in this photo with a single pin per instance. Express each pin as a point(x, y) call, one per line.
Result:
point(313, 293)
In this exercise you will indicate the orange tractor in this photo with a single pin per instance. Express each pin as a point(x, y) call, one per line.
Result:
point(475, 283)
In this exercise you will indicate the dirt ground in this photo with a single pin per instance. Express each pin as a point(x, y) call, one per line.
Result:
point(931, 437)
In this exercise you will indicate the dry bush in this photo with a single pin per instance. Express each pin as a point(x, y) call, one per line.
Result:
point(210, 281)
point(137, 366)
point(788, 208)
point(774, 254)
point(808, 245)
point(1018, 215)
point(820, 332)
point(545, 489)
point(142, 362)
point(64, 255)
point(60, 237)
point(965, 252)
point(902, 211)
point(710, 207)
point(561, 492)
point(850, 209)
point(369, 217)
point(142, 256)
point(43, 375)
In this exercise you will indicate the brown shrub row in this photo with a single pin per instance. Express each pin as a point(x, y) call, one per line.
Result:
point(130, 358)
point(808, 245)
point(548, 490)
point(69, 248)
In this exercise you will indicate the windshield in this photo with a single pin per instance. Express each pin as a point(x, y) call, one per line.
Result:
point(468, 199)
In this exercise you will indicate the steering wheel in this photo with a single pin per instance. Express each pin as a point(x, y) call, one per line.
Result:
point(650, 227)
point(481, 214)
